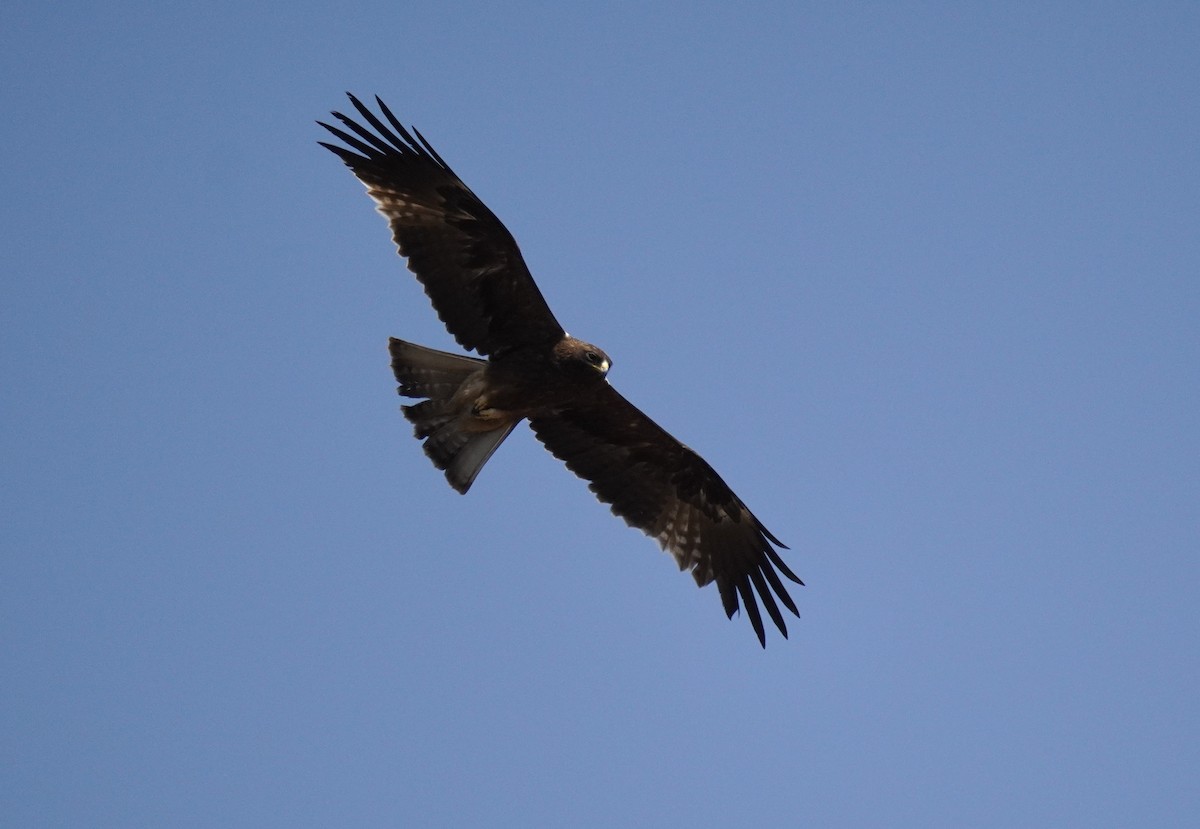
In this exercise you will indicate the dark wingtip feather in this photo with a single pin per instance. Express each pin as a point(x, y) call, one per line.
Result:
point(357, 103)
point(777, 560)
point(368, 151)
point(751, 607)
point(768, 600)
point(780, 590)
point(770, 536)
point(385, 140)
point(729, 599)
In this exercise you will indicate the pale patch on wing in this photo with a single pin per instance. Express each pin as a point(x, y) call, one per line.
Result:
point(397, 207)
point(680, 536)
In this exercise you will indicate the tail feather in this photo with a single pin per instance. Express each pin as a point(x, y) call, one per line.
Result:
point(437, 375)
point(424, 372)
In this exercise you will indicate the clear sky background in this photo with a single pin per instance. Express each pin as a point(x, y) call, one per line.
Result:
point(922, 281)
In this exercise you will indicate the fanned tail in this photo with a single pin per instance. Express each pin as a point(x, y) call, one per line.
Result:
point(438, 375)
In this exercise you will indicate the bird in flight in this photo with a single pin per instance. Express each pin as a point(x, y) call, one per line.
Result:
point(532, 369)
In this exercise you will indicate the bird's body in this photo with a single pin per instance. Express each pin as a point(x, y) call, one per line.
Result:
point(476, 403)
point(533, 370)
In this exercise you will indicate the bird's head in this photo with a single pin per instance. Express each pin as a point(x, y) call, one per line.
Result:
point(584, 358)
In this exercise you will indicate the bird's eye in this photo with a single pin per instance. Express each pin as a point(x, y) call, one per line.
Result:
point(593, 358)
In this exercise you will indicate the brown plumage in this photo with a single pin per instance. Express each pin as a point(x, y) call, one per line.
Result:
point(479, 285)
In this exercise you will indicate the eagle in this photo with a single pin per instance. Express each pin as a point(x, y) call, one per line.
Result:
point(530, 368)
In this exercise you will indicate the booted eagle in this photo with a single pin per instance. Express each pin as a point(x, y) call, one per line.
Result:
point(479, 285)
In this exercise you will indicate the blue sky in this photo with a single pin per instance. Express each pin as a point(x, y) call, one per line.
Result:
point(919, 280)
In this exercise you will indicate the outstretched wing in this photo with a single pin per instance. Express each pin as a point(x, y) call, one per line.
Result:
point(467, 260)
point(669, 492)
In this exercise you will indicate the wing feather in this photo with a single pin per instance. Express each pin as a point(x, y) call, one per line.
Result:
point(468, 262)
point(669, 492)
